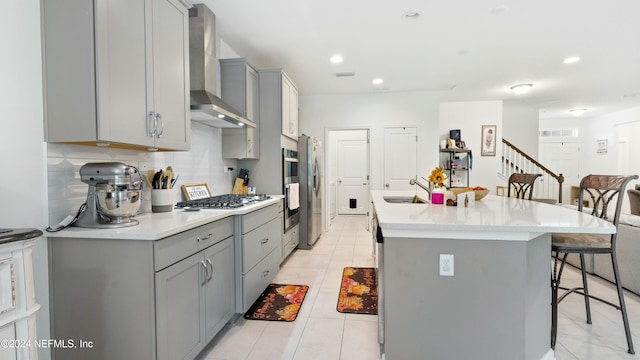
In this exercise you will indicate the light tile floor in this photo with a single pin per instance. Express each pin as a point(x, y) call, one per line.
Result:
point(320, 332)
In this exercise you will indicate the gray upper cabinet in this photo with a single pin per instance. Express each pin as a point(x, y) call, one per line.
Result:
point(279, 102)
point(117, 72)
point(239, 88)
point(289, 108)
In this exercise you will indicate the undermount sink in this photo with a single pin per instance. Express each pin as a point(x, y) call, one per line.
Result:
point(404, 199)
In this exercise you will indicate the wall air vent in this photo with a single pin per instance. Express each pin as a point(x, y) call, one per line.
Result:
point(345, 74)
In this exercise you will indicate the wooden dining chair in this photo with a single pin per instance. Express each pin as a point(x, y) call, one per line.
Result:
point(603, 190)
point(522, 184)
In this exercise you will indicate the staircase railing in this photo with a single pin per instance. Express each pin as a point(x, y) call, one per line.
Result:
point(548, 186)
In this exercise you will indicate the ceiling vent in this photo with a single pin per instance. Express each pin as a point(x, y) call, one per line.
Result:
point(345, 74)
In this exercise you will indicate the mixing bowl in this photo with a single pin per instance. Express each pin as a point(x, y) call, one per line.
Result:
point(119, 205)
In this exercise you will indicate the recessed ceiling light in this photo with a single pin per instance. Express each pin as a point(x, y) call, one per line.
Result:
point(498, 10)
point(221, 116)
point(411, 15)
point(577, 112)
point(571, 60)
point(336, 59)
point(521, 89)
point(377, 81)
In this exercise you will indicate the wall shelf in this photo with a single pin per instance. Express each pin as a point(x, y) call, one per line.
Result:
point(456, 163)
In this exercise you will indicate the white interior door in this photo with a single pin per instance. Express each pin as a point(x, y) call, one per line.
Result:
point(353, 176)
point(400, 157)
point(564, 158)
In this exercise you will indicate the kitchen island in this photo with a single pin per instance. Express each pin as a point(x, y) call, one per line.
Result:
point(491, 299)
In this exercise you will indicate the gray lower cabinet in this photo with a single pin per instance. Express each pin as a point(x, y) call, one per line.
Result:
point(290, 241)
point(259, 238)
point(203, 283)
point(137, 299)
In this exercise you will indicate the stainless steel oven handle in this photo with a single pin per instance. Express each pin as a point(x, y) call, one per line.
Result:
point(290, 159)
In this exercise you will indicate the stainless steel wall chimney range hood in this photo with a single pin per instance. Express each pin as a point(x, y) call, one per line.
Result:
point(206, 107)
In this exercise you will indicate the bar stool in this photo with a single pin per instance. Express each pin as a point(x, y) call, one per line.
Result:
point(602, 190)
point(522, 184)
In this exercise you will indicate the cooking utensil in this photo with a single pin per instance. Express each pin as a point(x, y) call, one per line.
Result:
point(169, 177)
point(156, 179)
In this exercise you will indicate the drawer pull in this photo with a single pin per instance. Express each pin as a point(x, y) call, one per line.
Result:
point(265, 273)
point(211, 266)
point(264, 241)
point(207, 237)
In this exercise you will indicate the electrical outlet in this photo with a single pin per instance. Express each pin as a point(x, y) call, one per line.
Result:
point(225, 169)
point(446, 264)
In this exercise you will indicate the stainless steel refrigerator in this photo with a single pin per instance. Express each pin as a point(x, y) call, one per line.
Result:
point(309, 153)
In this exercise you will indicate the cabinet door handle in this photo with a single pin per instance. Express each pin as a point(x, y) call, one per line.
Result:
point(211, 266)
point(151, 124)
point(159, 126)
point(207, 237)
point(265, 273)
point(206, 272)
point(264, 241)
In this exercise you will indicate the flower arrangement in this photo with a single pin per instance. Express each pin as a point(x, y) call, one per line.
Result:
point(438, 177)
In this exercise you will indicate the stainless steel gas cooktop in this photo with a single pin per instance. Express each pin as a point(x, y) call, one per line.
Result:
point(229, 201)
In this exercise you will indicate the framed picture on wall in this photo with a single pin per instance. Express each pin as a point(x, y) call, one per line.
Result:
point(488, 147)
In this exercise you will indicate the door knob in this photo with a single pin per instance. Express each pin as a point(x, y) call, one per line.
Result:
point(386, 185)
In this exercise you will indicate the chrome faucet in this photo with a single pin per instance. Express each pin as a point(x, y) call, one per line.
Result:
point(427, 189)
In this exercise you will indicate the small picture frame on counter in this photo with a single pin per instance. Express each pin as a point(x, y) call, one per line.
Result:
point(196, 191)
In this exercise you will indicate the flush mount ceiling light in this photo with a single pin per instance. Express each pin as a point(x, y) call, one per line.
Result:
point(521, 89)
point(571, 60)
point(577, 112)
point(377, 81)
point(336, 59)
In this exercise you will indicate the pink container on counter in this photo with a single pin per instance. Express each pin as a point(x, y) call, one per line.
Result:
point(437, 198)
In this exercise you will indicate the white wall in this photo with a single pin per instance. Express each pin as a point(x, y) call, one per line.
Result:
point(520, 124)
point(24, 185)
point(597, 128)
point(376, 111)
point(469, 118)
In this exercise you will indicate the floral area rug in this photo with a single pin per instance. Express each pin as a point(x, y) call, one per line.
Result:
point(359, 291)
point(278, 303)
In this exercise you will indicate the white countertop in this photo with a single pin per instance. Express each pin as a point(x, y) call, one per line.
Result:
point(155, 226)
point(494, 217)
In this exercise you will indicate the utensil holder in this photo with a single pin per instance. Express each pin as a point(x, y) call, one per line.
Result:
point(161, 200)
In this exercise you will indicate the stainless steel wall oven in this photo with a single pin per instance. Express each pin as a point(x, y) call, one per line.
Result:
point(290, 167)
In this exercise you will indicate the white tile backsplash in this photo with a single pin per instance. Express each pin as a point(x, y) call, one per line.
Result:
point(202, 164)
